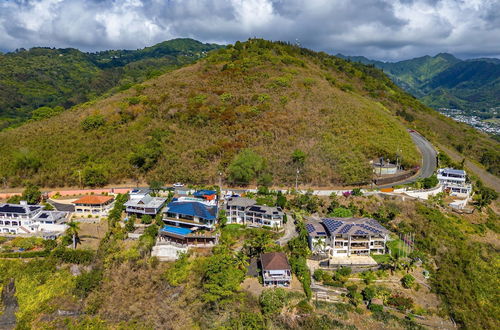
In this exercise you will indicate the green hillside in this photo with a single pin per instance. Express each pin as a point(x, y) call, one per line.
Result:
point(61, 78)
point(255, 112)
point(444, 81)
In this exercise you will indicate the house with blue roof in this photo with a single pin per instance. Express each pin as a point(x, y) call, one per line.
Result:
point(347, 236)
point(190, 213)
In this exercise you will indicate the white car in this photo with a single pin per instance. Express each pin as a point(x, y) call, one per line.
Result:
point(178, 185)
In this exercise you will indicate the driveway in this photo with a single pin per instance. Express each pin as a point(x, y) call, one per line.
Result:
point(290, 231)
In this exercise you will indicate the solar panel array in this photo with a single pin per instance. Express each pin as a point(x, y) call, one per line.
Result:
point(360, 232)
point(310, 228)
point(370, 228)
point(332, 225)
point(345, 229)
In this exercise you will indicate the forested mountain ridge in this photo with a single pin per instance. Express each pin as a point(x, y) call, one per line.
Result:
point(60, 78)
point(444, 81)
point(255, 112)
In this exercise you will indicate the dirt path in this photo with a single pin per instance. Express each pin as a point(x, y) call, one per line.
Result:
point(487, 178)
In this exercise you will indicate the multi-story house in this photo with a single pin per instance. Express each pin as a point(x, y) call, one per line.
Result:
point(144, 205)
point(93, 205)
point(276, 270)
point(454, 181)
point(189, 223)
point(31, 219)
point(245, 211)
point(190, 213)
point(347, 236)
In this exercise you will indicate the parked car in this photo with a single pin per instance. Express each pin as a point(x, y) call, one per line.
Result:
point(178, 185)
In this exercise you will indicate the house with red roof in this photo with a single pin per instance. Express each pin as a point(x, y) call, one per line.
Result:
point(98, 205)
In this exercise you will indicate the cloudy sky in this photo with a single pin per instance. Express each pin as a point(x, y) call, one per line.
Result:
point(380, 29)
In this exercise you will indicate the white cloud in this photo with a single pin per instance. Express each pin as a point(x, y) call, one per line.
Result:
point(385, 29)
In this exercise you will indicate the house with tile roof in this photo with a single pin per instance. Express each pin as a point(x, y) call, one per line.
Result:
point(245, 211)
point(347, 236)
point(98, 205)
point(276, 270)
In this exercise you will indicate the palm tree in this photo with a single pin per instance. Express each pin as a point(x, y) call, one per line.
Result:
point(241, 260)
point(394, 263)
point(73, 228)
point(319, 244)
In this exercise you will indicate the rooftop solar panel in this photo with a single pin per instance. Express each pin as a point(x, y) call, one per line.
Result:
point(310, 228)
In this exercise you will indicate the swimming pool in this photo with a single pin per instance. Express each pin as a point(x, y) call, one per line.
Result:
point(177, 230)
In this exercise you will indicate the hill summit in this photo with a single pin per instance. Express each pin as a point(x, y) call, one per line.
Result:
point(257, 111)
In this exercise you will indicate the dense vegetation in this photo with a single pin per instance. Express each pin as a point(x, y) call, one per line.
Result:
point(444, 81)
point(41, 82)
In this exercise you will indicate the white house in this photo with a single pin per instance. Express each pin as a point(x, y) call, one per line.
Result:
point(347, 236)
point(31, 220)
point(243, 210)
point(93, 205)
point(454, 181)
point(144, 205)
point(276, 270)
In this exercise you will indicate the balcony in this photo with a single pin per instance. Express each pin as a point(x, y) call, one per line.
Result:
point(188, 222)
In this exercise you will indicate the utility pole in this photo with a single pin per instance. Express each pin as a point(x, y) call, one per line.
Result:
point(220, 182)
point(297, 180)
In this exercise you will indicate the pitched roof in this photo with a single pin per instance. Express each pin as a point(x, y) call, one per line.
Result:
point(353, 226)
point(146, 201)
point(271, 210)
point(19, 209)
point(93, 199)
point(274, 261)
point(240, 201)
point(204, 192)
point(195, 209)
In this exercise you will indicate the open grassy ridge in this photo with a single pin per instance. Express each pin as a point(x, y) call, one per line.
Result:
point(191, 124)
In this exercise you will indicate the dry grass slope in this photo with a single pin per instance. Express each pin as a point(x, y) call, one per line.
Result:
point(189, 124)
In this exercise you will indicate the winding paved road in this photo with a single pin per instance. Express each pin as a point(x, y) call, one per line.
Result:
point(429, 160)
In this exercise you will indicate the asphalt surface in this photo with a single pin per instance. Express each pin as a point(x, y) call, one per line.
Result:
point(429, 160)
point(429, 157)
point(63, 207)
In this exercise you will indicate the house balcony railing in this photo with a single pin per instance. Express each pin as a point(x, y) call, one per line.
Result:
point(277, 278)
point(188, 222)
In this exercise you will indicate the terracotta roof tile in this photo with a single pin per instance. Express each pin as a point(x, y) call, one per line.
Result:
point(93, 200)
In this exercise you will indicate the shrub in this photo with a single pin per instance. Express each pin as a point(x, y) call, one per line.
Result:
point(92, 122)
point(73, 256)
point(341, 212)
point(245, 167)
point(400, 302)
point(86, 282)
point(376, 308)
point(146, 219)
point(408, 281)
point(272, 300)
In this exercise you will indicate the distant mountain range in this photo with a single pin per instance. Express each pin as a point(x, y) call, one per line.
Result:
point(444, 81)
point(56, 79)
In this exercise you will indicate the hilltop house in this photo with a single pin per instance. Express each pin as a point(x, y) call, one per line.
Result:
point(31, 220)
point(144, 204)
point(243, 210)
point(190, 213)
point(347, 236)
point(189, 223)
point(276, 270)
point(93, 205)
point(454, 181)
